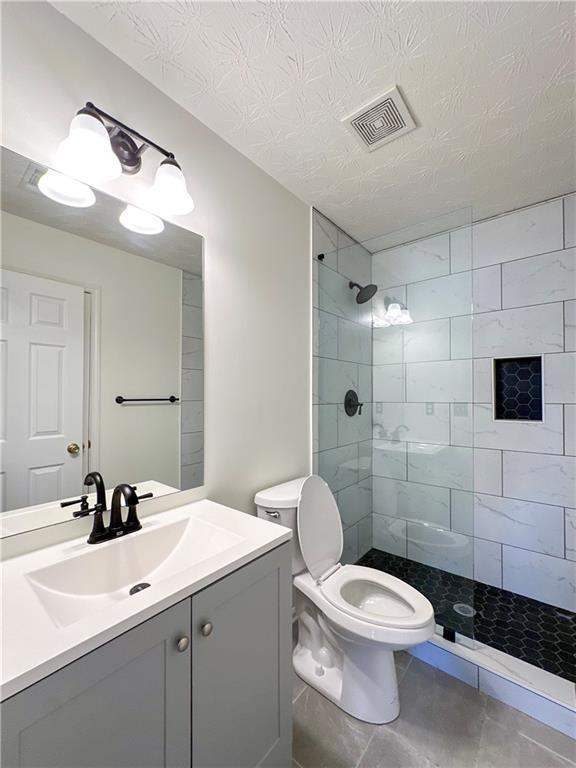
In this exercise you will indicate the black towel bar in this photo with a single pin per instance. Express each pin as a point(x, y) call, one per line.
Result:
point(172, 399)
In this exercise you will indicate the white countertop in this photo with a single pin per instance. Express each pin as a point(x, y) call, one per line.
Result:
point(35, 644)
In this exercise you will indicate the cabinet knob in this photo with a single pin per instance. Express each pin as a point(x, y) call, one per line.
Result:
point(183, 644)
point(206, 629)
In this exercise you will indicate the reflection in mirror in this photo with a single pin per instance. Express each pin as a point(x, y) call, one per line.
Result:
point(101, 351)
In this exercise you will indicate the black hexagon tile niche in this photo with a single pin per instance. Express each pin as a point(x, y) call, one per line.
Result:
point(541, 634)
point(518, 389)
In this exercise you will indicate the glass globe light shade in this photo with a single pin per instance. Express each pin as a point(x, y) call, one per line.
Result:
point(142, 222)
point(62, 189)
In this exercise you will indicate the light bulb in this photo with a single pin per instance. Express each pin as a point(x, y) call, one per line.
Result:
point(86, 153)
point(169, 196)
point(63, 189)
point(378, 321)
point(404, 318)
point(393, 312)
point(142, 222)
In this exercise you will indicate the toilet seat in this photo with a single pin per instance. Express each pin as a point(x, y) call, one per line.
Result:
point(377, 598)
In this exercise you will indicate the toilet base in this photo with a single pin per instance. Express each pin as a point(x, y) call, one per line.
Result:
point(365, 686)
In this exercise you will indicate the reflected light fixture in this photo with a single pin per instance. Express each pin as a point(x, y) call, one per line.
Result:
point(396, 314)
point(100, 148)
point(62, 189)
point(142, 222)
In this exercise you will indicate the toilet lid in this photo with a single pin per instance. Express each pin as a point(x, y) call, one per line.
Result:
point(319, 526)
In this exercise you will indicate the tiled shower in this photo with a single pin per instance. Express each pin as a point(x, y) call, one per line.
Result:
point(471, 497)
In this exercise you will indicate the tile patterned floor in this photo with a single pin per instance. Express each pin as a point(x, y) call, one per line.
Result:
point(443, 723)
point(535, 632)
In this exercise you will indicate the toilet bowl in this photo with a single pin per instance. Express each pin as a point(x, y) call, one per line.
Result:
point(351, 619)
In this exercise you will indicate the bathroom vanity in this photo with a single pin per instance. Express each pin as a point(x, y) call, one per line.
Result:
point(193, 670)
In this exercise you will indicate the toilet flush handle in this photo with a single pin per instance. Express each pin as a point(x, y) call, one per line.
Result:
point(273, 513)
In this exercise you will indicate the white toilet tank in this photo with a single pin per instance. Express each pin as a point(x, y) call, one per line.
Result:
point(279, 504)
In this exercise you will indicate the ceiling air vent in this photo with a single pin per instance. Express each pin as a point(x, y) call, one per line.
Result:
point(382, 120)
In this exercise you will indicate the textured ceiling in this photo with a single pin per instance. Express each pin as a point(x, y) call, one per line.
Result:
point(491, 86)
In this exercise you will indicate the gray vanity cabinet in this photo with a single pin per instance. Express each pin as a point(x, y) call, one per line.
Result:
point(242, 668)
point(144, 700)
point(125, 705)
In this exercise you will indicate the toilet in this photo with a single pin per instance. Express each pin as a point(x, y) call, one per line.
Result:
point(351, 619)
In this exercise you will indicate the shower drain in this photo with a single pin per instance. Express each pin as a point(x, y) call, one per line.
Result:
point(464, 610)
point(139, 587)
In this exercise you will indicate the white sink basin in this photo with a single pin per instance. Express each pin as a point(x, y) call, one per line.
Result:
point(74, 588)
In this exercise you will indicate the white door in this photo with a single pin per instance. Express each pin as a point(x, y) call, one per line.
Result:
point(42, 372)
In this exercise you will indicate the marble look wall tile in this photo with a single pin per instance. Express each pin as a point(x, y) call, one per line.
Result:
point(461, 249)
point(427, 341)
point(488, 471)
point(354, 342)
point(442, 297)
point(315, 291)
point(353, 429)
point(388, 383)
point(444, 465)
point(335, 295)
point(411, 501)
point(191, 476)
point(326, 334)
point(364, 383)
point(528, 331)
point(192, 353)
point(439, 382)
point(192, 321)
point(192, 385)
point(192, 447)
point(327, 426)
point(354, 261)
point(452, 552)
point(486, 289)
point(192, 291)
point(416, 422)
point(350, 546)
point(387, 345)
point(389, 534)
point(569, 221)
point(462, 511)
point(570, 326)
point(522, 233)
point(540, 279)
point(560, 378)
point(364, 535)
point(415, 261)
point(488, 562)
point(483, 380)
point(364, 459)
point(192, 416)
point(524, 524)
point(545, 436)
point(462, 424)
point(461, 337)
point(325, 240)
point(355, 502)
point(548, 579)
point(335, 378)
point(339, 466)
point(539, 477)
point(389, 459)
point(570, 523)
point(570, 430)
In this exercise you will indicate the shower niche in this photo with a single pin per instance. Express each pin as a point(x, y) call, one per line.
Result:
point(518, 389)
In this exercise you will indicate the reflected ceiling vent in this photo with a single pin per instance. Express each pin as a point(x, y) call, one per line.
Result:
point(382, 120)
point(31, 177)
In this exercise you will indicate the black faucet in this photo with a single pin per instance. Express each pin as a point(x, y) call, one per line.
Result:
point(117, 526)
point(96, 479)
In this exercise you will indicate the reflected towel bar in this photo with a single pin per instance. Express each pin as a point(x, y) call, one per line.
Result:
point(172, 399)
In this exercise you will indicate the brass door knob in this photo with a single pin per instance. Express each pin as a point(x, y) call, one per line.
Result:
point(73, 449)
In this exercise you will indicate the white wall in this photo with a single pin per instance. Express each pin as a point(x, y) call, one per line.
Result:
point(257, 257)
point(138, 341)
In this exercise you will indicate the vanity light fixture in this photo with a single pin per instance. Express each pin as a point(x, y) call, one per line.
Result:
point(396, 314)
point(65, 190)
point(142, 222)
point(100, 148)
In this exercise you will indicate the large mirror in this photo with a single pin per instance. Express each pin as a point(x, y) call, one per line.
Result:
point(101, 351)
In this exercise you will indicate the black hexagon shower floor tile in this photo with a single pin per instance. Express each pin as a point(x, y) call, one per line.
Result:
point(541, 634)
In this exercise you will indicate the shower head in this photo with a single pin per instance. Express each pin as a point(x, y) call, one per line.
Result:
point(365, 293)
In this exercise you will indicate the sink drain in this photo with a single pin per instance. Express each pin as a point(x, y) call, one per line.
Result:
point(464, 610)
point(139, 587)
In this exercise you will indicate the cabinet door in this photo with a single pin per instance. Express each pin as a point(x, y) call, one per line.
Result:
point(242, 670)
point(125, 705)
